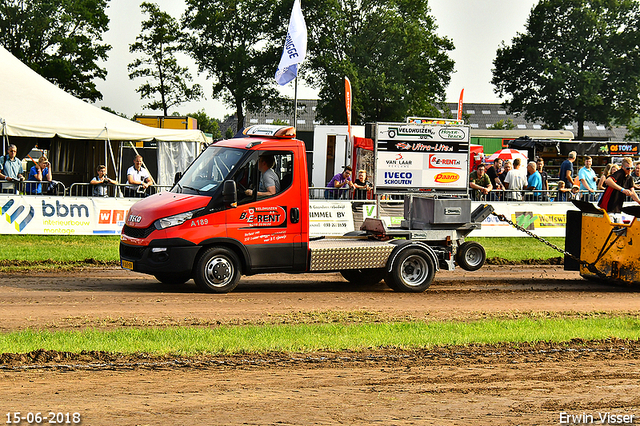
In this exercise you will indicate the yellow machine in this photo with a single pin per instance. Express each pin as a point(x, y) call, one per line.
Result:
point(607, 251)
point(167, 122)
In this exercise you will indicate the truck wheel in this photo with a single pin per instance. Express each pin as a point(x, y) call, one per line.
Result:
point(412, 271)
point(363, 276)
point(217, 270)
point(470, 256)
point(170, 278)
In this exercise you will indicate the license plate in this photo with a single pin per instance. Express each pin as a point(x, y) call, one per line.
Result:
point(127, 265)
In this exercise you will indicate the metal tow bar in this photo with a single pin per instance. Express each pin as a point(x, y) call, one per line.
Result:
point(590, 266)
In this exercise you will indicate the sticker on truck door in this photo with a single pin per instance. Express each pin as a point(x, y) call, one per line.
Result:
point(264, 216)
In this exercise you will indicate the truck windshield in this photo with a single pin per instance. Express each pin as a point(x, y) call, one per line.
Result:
point(209, 170)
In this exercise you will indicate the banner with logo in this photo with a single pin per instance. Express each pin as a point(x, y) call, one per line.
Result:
point(543, 219)
point(423, 156)
point(50, 215)
point(295, 47)
point(330, 218)
point(44, 215)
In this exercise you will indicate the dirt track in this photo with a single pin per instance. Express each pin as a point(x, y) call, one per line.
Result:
point(484, 385)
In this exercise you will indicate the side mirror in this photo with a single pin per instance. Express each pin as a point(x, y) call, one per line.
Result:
point(176, 177)
point(229, 193)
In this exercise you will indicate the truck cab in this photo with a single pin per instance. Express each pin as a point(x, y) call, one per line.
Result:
point(216, 216)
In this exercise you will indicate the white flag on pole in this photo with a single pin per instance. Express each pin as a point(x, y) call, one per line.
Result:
point(295, 47)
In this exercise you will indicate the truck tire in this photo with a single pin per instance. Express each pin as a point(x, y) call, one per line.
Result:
point(363, 276)
point(470, 256)
point(171, 278)
point(217, 270)
point(412, 271)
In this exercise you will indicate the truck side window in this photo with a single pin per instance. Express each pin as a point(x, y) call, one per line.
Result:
point(265, 174)
point(284, 169)
point(246, 178)
point(276, 172)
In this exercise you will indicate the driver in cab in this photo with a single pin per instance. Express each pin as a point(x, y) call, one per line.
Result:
point(269, 183)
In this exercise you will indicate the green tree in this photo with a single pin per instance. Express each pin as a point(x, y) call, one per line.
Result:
point(633, 130)
point(396, 63)
point(503, 125)
point(59, 39)
point(112, 111)
point(577, 61)
point(167, 84)
point(207, 124)
point(236, 43)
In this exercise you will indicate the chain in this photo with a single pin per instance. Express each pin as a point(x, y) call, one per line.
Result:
point(589, 266)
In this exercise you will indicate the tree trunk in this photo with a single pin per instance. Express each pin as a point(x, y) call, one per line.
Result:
point(580, 128)
point(240, 115)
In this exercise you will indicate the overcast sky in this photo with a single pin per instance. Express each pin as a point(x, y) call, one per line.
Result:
point(477, 27)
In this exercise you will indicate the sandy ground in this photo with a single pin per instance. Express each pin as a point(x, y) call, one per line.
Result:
point(482, 385)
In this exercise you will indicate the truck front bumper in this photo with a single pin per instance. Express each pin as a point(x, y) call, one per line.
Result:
point(165, 256)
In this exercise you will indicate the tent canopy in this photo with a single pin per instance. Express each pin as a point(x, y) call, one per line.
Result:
point(31, 106)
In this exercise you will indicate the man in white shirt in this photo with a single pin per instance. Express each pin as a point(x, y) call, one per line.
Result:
point(515, 181)
point(138, 178)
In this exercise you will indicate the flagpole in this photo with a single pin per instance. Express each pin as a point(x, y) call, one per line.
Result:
point(295, 104)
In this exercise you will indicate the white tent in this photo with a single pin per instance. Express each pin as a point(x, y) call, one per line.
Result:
point(32, 107)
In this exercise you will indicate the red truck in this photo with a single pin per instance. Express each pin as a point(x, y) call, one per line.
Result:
point(217, 224)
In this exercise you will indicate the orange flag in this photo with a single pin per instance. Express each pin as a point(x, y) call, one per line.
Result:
point(460, 105)
point(347, 103)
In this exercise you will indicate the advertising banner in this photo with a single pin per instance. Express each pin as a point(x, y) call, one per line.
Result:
point(51, 215)
point(330, 218)
point(543, 219)
point(422, 156)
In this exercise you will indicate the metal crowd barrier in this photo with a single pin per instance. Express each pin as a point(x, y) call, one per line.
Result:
point(315, 193)
point(324, 193)
point(84, 189)
point(538, 196)
point(23, 187)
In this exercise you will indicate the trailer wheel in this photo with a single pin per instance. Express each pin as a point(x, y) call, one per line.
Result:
point(217, 270)
point(171, 278)
point(412, 271)
point(470, 256)
point(363, 276)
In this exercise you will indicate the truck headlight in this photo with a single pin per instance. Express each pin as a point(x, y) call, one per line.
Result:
point(175, 220)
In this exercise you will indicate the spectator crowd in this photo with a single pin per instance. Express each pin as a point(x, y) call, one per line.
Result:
point(39, 178)
point(508, 180)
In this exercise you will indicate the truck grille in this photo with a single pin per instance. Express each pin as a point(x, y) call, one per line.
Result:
point(138, 232)
point(131, 252)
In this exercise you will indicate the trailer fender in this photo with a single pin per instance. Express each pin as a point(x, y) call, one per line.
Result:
point(404, 245)
point(411, 267)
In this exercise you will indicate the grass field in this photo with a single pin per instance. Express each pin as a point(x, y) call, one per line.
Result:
point(60, 251)
point(26, 251)
point(321, 337)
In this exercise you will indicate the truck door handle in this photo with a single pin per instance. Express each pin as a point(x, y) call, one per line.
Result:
point(295, 215)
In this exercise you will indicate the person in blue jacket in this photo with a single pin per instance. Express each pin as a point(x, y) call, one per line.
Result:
point(534, 181)
point(39, 173)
